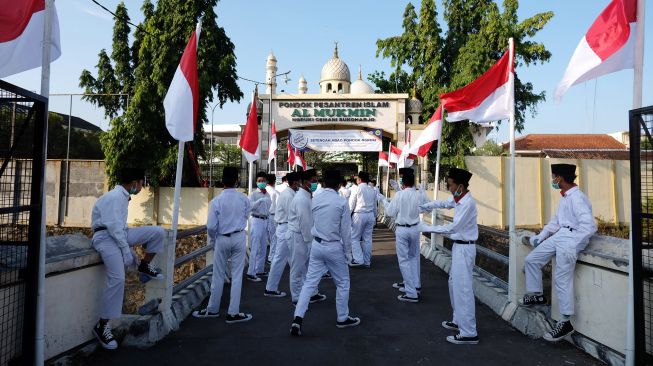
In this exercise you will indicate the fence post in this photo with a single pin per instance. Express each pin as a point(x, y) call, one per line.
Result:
point(163, 289)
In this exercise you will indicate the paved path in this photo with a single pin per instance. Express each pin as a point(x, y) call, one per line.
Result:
point(391, 332)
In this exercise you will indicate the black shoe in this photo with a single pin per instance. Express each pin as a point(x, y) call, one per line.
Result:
point(238, 318)
point(449, 325)
point(353, 263)
point(296, 327)
point(561, 330)
point(268, 262)
point(274, 293)
point(205, 313)
point(327, 276)
point(104, 335)
point(458, 339)
point(349, 322)
point(262, 274)
point(150, 271)
point(253, 278)
point(398, 285)
point(407, 298)
point(530, 299)
point(403, 289)
point(317, 298)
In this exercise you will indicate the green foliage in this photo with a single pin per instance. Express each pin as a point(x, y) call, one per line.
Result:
point(137, 135)
point(489, 148)
point(83, 145)
point(226, 154)
point(436, 61)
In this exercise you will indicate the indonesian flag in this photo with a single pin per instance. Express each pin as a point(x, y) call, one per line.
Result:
point(489, 98)
point(182, 99)
point(22, 25)
point(406, 158)
point(291, 155)
point(272, 148)
point(608, 46)
point(299, 160)
point(395, 153)
point(431, 133)
point(383, 159)
point(249, 139)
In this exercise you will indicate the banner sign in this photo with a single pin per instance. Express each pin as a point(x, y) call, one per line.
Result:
point(336, 140)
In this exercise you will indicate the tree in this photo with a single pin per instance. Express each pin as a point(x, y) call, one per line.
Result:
point(137, 135)
point(226, 154)
point(476, 37)
point(489, 148)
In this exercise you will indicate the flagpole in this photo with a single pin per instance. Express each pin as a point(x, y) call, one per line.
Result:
point(434, 213)
point(387, 181)
point(637, 103)
point(511, 185)
point(250, 178)
point(39, 341)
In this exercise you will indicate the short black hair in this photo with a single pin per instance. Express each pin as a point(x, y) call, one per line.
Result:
point(271, 179)
point(364, 176)
point(284, 178)
point(128, 175)
point(262, 175)
point(229, 176)
point(569, 178)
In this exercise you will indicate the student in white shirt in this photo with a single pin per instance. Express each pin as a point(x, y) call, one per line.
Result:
point(261, 203)
point(563, 237)
point(272, 224)
point(362, 204)
point(225, 225)
point(331, 241)
point(344, 189)
point(464, 233)
point(113, 240)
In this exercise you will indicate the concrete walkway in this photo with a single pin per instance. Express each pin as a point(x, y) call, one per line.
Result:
point(391, 332)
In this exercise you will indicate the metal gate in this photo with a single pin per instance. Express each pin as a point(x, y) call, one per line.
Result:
point(22, 164)
point(641, 175)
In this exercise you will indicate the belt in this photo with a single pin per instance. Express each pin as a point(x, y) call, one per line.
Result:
point(281, 223)
point(231, 233)
point(100, 228)
point(260, 217)
point(464, 241)
point(363, 211)
point(570, 228)
point(407, 225)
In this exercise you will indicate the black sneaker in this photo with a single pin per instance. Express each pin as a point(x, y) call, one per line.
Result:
point(458, 339)
point(353, 263)
point(327, 276)
point(403, 289)
point(349, 322)
point(104, 335)
point(449, 325)
point(274, 293)
point(561, 330)
point(530, 299)
point(407, 298)
point(238, 318)
point(150, 271)
point(317, 298)
point(253, 278)
point(398, 285)
point(296, 327)
point(205, 313)
point(262, 274)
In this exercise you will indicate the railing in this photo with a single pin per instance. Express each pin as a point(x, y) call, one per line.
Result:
point(180, 261)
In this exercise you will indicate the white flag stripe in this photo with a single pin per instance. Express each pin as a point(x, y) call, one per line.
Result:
point(495, 107)
point(431, 133)
point(178, 105)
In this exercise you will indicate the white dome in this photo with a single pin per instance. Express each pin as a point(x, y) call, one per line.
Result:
point(414, 106)
point(271, 57)
point(335, 69)
point(360, 86)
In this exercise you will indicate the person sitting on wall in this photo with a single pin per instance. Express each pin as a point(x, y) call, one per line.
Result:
point(113, 240)
point(563, 237)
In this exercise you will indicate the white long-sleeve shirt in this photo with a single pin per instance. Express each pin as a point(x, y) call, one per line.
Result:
point(227, 213)
point(331, 218)
point(362, 199)
point(464, 226)
point(344, 192)
point(281, 187)
point(274, 196)
point(110, 211)
point(404, 207)
point(300, 217)
point(575, 212)
point(319, 190)
point(260, 208)
point(283, 206)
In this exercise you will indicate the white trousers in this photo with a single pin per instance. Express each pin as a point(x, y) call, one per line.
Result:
point(564, 247)
point(300, 252)
point(461, 290)
point(280, 259)
point(362, 226)
point(272, 237)
point(408, 255)
point(257, 245)
point(227, 248)
point(114, 291)
point(326, 256)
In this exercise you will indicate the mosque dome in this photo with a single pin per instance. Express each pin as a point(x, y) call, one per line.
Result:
point(360, 86)
point(414, 106)
point(335, 69)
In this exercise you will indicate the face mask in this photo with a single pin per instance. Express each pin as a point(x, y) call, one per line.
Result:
point(133, 190)
point(313, 187)
point(260, 185)
point(458, 193)
point(401, 181)
point(349, 185)
point(555, 185)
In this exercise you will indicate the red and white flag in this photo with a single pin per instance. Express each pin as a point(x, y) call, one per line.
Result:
point(249, 139)
point(394, 154)
point(489, 98)
point(291, 155)
point(299, 160)
point(182, 99)
point(432, 132)
point(406, 158)
point(272, 148)
point(21, 35)
point(608, 46)
point(383, 159)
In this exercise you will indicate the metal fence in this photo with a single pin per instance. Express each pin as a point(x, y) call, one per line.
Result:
point(23, 132)
point(641, 170)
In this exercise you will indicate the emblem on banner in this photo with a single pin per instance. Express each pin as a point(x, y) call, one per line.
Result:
point(298, 140)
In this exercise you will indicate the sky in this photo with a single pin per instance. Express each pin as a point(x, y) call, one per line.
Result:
point(302, 33)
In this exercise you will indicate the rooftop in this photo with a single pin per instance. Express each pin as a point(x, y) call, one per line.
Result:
point(539, 142)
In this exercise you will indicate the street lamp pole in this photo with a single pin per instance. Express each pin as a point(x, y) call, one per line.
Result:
point(211, 147)
point(271, 83)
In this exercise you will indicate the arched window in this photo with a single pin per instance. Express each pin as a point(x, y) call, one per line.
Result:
point(340, 88)
point(329, 88)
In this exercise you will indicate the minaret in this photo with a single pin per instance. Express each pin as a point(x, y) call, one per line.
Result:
point(303, 88)
point(270, 73)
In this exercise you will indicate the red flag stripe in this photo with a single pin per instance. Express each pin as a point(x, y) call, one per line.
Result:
point(14, 17)
point(610, 31)
point(188, 65)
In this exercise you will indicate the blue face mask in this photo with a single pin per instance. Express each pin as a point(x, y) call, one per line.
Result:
point(133, 190)
point(260, 185)
point(401, 181)
point(313, 187)
point(555, 185)
point(458, 193)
